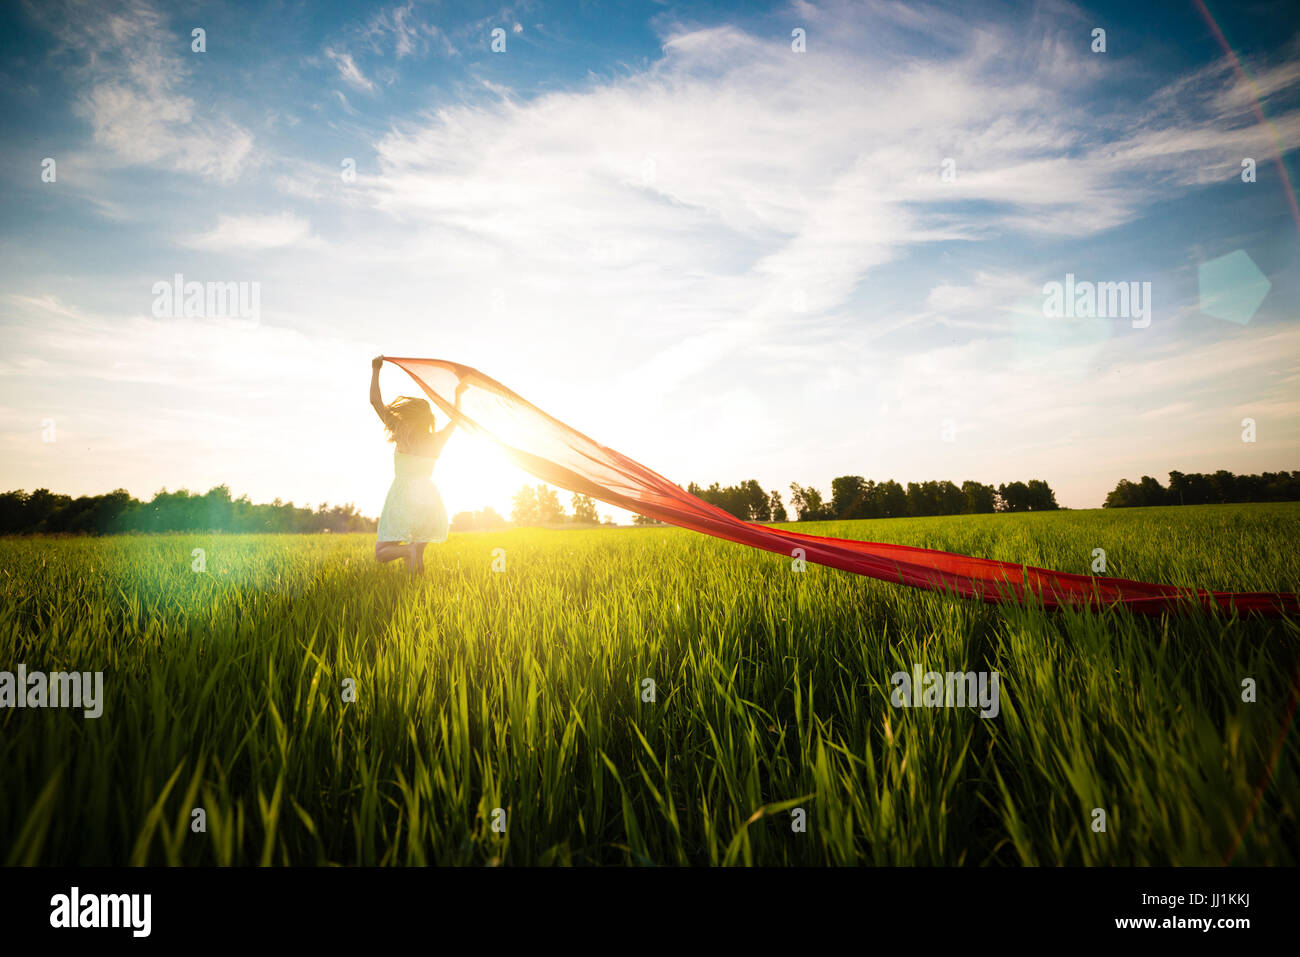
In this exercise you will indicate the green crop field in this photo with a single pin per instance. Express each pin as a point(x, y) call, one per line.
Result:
point(508, 716)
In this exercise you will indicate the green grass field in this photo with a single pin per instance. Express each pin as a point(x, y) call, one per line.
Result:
point(523, 690)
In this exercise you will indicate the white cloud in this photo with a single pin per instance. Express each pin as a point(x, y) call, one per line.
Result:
point(401, 29)
point(254, 233)
point(131, 91)
point(348, 70)
point(399, 22)
point(792, 177)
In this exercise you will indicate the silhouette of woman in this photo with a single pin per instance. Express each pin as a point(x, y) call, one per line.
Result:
point(413, 514)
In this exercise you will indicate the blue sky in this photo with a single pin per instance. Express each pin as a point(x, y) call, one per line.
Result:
point(658, 222)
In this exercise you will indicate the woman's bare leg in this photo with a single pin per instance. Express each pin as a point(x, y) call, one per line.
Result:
point(417, 556)
point(389, 551)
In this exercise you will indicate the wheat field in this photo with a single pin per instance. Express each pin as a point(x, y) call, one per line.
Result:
point(646, 696)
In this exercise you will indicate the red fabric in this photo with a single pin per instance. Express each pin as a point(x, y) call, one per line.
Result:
point(566, 458)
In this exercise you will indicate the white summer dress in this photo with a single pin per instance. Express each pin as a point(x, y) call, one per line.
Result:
point(413, 510)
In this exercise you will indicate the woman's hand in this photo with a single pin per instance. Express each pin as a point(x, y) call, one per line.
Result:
point(376, 399)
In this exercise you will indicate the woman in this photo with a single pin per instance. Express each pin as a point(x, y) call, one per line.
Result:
point(413, 512)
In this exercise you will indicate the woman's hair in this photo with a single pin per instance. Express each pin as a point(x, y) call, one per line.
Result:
point(408, 419)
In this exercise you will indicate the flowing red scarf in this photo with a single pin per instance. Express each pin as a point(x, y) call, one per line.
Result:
point(564, 457)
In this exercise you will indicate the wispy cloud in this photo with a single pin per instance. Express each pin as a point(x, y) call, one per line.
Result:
point(132, 90)
point(254, 234)
point(736, 158)
point(403, 30)
point(348, 70)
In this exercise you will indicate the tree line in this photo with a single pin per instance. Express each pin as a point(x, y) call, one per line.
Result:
point(855, 497)
point(1198, 488)
point(46, 512)
point(540, 505)
point(852, 497)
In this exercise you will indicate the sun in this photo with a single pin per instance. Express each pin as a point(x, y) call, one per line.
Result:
point(474, 472)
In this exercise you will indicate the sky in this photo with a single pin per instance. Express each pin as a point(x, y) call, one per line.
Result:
point(775, 241)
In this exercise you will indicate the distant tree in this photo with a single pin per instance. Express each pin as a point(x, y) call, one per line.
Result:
point(951, 499)
point(13, 509)
point(849, 497)
point(1033, 496)
point(1041, 496)
point(1123, 495)
point(745, 501)
point(181, 511)
point(1200, 491)
point(1195, 488)
point(1250, 488)
point(549, 509)
point(1223, 483)
point(1013, 497)
point(1179, 488)
point(855, 497)
point(1147, 492)
point(1151, 492)
point(485, 519)
point(753, 502)
point(731, 499)
point(42, 505)
point(525, 510)
point(808, 504)
point(584, 509)
point(217, 508)
point(922, 498)
point(978, 499)
point(892, 498)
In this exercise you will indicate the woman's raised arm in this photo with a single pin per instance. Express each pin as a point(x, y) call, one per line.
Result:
point(375, 399)
point(442, 435)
